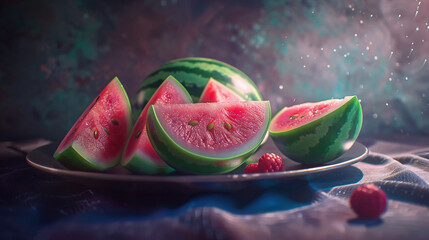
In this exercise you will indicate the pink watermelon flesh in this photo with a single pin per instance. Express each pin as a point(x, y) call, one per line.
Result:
point(302, 114)
point(217, 92)
point(169, 92)
point(101, 131)
point(189, 126)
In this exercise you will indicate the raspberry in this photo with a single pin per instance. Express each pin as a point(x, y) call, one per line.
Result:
point(368, 201)
point(270, 162)
point(251, 168)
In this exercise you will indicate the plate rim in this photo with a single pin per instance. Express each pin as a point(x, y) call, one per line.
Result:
point(216, 178)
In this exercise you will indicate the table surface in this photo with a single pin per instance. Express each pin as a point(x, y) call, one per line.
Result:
point(38, 205)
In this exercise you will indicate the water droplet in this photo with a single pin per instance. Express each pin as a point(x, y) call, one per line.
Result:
point(361, 86)
point(406, 78)
point(375, 58)
point(356, 35)
point(328, 66)
point(417, 29)
point(367, 48)
point(387, 104)
point(280, 87)
point(375, 115)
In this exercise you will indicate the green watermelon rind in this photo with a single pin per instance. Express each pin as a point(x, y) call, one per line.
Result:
point(187, 161)
point(138, 163)
point(195, 78)
point(342, 127)
point(73, 157)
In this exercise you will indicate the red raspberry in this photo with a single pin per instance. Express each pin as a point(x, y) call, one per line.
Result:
point(251, 168)
point(368, 201)
point(270, 162)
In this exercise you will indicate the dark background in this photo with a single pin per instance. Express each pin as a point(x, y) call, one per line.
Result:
point(56, 56)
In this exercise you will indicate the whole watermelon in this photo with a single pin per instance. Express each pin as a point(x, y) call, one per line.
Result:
point(194, 74)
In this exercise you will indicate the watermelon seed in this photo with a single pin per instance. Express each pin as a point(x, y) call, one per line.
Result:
point(210, 126)
point(193, 123)
point(302, 116)
point(315, 112)
point(115, 122)
point(107, 131)
point(293, 116)
point(95, 133)
point(137, 135)
point(227, 125)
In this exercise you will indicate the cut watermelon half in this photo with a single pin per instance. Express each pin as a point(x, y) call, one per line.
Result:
point(217, 92)
point(207, 138)
point(313, 133)
point(96, 140)
point(139, 155)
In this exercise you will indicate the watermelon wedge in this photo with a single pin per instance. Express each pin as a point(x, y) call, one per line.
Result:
point(139, 155)
point(96, 140)
point(217, 92)
point(207, 138)
point(314, 133)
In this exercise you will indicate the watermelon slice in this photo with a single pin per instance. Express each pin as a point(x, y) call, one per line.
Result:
point(96, 140)
point(314, 133)
point(217, 92)
point(139, 155)
point(207, 138)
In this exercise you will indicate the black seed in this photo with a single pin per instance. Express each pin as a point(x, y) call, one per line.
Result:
point(293, 116)
point(302, 116)
point(193, 123)
point(115, 122)
point(227, 125)
point(95, 133)
point(210, 126)
point(138, 133)
point(107, 131)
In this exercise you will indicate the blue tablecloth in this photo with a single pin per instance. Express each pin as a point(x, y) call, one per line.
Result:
point(42, 206)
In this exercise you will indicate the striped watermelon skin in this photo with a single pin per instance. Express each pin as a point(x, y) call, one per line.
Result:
point(194, 74)
point(323, 139)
